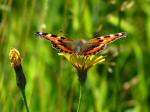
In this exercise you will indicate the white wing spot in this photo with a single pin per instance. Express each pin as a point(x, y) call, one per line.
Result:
point(111, 35)
point(59, 37)
point(120, 34)
point(40, 33)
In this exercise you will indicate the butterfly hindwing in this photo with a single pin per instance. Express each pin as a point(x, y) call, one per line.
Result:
point(94, 50)
point(58, 42)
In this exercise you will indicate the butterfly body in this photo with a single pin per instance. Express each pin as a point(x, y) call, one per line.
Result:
point(81, 47)
point(78, 45)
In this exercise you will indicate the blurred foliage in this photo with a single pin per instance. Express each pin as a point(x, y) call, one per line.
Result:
point(121, 84)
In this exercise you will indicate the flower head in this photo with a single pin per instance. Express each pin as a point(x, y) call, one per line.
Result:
point(83, 63)
point(16, 64)
point(15, 57)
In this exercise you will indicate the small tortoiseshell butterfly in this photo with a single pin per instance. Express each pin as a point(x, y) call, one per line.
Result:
point(81, 47)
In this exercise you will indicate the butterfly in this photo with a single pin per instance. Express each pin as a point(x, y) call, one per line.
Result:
point(81, 47)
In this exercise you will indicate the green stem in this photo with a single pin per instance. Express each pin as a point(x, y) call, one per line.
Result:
point(80, 97)
point(25, 100)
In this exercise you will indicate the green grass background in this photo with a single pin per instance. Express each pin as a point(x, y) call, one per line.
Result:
point(121, 84)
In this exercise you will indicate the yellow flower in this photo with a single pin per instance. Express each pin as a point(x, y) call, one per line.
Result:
point(83, 63)
point(15, 57)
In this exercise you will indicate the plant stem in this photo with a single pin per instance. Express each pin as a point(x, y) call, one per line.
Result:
point(80, 97)
point(25, 100)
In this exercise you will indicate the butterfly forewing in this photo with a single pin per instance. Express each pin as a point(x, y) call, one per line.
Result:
point(58, 42)
point(101, 42)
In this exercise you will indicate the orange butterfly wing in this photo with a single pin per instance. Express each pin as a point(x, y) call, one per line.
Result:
point(60, 43)
point(100, 42)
